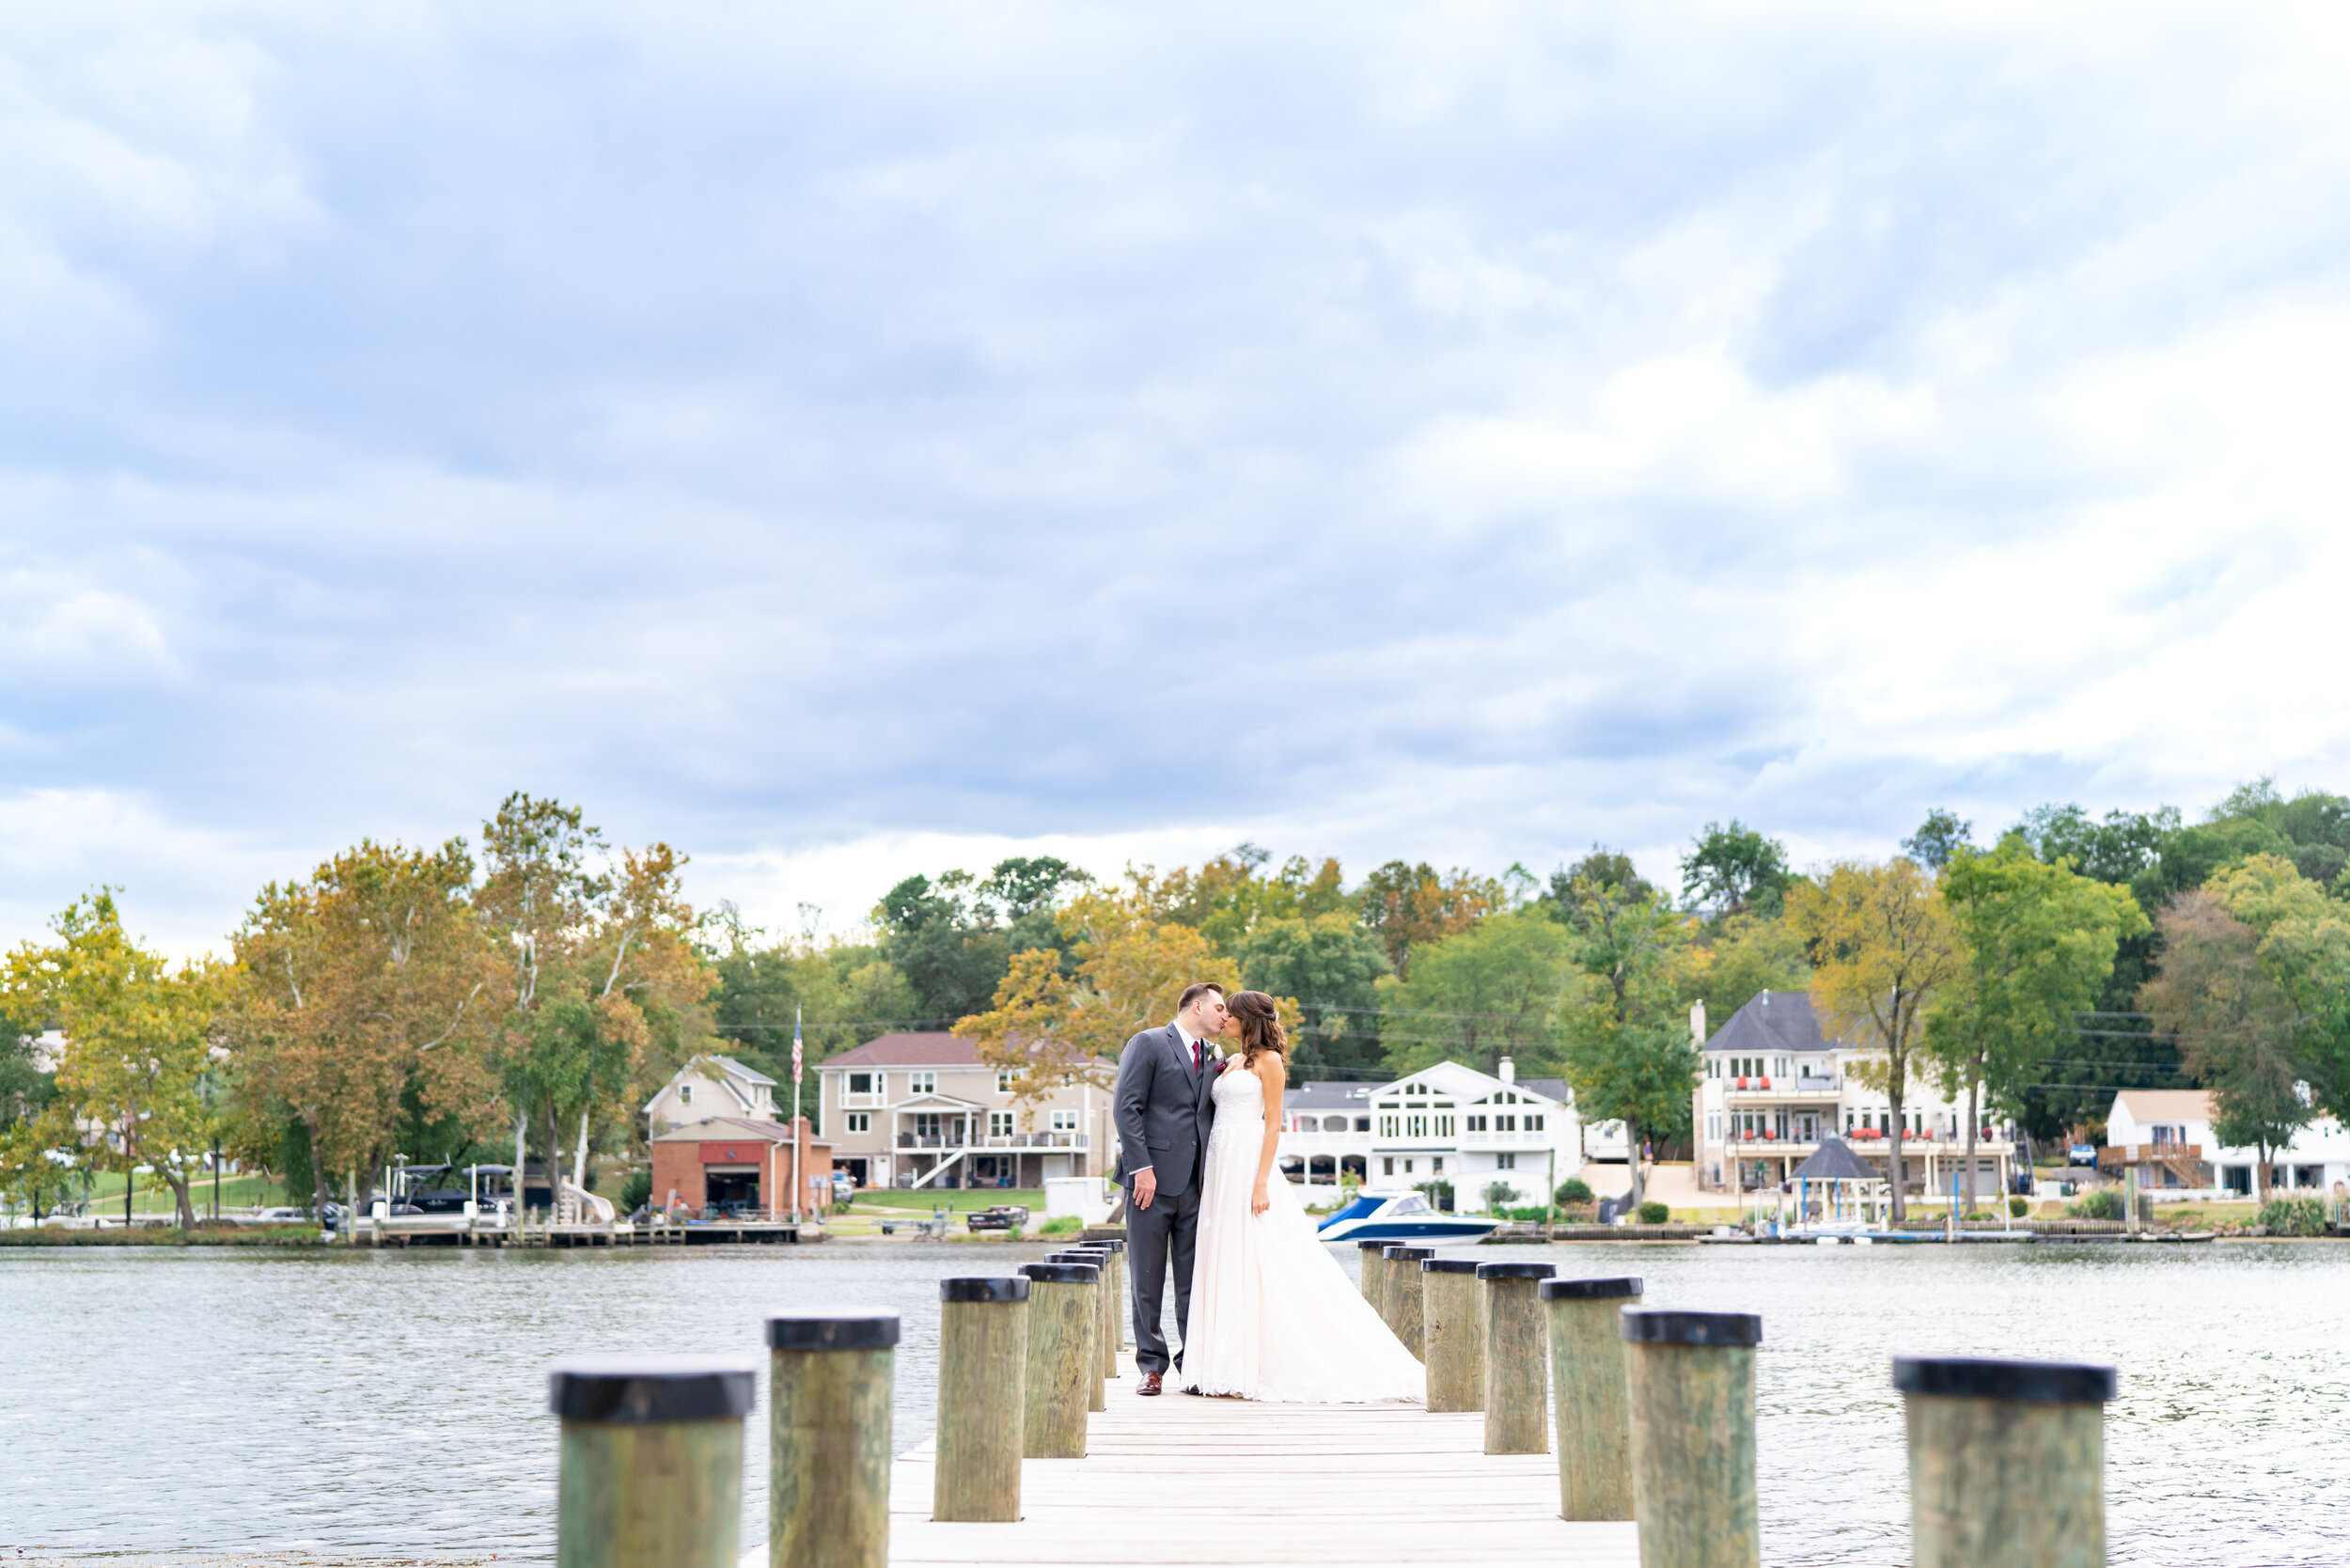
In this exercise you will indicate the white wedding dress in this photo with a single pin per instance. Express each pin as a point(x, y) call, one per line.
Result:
point(1272, 1315)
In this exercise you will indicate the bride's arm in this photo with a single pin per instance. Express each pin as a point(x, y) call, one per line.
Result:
point(1273, 1073)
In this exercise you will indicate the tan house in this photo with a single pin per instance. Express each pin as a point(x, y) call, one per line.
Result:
point(710, 1085)
point(922, 1110)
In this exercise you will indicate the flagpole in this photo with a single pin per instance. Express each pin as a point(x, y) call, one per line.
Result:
point(795, 1114)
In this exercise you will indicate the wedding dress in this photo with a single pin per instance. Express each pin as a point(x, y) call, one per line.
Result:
point(1274, 1317)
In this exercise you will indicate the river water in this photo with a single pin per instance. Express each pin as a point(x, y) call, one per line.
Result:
point(161, 1404)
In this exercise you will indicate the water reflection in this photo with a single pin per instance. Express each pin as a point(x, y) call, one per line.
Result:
point(350, 1405)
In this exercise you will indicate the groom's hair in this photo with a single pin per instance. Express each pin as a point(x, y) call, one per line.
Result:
point(1193, 992)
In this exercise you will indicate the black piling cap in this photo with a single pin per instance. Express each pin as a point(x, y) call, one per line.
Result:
point(875, 1330)
point(1450, 1265)
point(1516, 1271)
point(1408, 1254)
point(648, 1390)
point(1092, 1258)
point(1657, 1326)
point(1982, 1377)
point(1061, 1274)
point(1108, 1244)
point(969, 1289)
point(1375, 1247)
point(1589, 1289)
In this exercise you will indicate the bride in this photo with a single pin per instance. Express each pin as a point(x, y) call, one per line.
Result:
point(1276, 1317)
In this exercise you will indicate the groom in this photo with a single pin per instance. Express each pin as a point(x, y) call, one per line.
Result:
point(1163, 1111)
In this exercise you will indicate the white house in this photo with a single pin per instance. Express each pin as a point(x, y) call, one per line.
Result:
point(1775, 1082)
point(710, 1086)
point(1444, 1124)
point(2165, 1133)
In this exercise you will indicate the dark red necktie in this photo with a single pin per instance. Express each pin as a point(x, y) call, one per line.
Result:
point(1199, 1055)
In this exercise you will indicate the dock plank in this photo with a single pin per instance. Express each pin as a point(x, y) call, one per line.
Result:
point(1182, 1483)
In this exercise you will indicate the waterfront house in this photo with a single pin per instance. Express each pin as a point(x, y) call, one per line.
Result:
point(1774, 1084)
point(2166, 1135)
point(922, 1110)
point(736, 1166)
point(1446, 1123)
point(710, 1086)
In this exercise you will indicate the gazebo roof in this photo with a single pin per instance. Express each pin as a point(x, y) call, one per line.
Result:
point(1834, 1161)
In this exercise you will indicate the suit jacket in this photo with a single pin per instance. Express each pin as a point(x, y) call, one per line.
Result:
point(1163, 1109)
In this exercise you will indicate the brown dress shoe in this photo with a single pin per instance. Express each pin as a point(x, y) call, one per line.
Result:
point(1150, 1384)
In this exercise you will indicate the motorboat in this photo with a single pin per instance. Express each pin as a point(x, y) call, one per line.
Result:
point(1400, 1217)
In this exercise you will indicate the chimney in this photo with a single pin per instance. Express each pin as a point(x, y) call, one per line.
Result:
point(1696, 1019)
point(1508, 1070)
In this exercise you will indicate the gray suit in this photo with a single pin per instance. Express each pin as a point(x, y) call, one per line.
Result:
point(1163, 1110)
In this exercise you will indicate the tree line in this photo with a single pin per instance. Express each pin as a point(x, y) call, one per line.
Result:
point(526, 996)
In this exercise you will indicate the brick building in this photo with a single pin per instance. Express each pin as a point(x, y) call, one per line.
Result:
point(735, 1166)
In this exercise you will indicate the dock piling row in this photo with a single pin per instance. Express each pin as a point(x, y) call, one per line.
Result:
point(1517, 1363)
point(1452, 1329)
point(830, 1380)
point(1690, 1382)
point(1586, 1367)
point(1105, 1311)
point(1063, 1326)
point(650, 1467)
point(983, 1364)
point(2006, 1461)
point(1404, 1310)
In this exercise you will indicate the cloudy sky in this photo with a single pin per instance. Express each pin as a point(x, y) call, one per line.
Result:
point(847, 440)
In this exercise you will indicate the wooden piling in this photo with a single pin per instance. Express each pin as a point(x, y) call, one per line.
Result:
point(1518, 1364)
point(1587, 1391)
point(1452, 1320)
point(2006, 1461)
point(1114, 1282)
point(983, 1376)
point(1106, 1340)
point(650, 1462)
point(1097, 1396)
point(830, 1377)
point(1063, 1328)
point(1376, 1274)
point(1689, 1387)
point(1404, 1313)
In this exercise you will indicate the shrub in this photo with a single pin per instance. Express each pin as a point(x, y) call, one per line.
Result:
point(2294, 1217)
point(1653, 1213)
point(2105, 1204)
point(636, 1191)
point(1575, 1189)
point(2019, 1207)
point(1067, 1225)
point(1500, 1196)
point(1439, 1194)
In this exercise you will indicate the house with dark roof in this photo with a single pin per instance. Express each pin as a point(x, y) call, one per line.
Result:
point(1777, 1083)
point(923, 1110)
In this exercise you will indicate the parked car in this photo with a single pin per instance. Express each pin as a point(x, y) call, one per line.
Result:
point(2082, 1153)
point(1003, 1217)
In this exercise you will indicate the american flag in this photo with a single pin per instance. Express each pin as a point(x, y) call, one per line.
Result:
point(795, 1046)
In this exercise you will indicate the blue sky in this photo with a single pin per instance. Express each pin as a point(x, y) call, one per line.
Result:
point(850, 440)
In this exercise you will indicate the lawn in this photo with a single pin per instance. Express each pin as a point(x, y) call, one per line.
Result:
point(957, 1200)
point(152, 1197)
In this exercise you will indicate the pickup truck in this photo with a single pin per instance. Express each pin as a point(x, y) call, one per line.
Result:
point(1003, 1216)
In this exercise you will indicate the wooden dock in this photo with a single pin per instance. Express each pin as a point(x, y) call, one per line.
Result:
point(1179, 1480)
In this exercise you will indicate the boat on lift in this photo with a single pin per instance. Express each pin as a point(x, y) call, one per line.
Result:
point(1400, 1217)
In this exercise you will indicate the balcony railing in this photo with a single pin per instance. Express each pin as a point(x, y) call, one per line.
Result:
point(2121, 1154)
point(1801, 1087)
point(1015, 1140)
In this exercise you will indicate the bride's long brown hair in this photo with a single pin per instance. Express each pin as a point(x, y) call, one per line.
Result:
point(1260, 1026)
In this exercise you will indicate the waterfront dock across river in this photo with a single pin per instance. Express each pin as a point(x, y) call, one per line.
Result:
point(1182, 1481)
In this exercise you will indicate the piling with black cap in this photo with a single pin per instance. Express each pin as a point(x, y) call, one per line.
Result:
point(1103, 1309)
point(1587, 1377)
point(830, 1376)
point(1690, 1388)
point(1374, 1262)
point(1063, 1326)
point(651, 1461)
point(1517, 1369)
point(1404, 1313)
point(2006, 1461)
point(1452, 1334)
point(1114, 1284)
point(982, 1383)
point(1105, 1335)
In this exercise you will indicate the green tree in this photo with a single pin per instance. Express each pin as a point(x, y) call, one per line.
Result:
point(1940, 839)
point(1332, 967)
point(1885, 946)
point(953, 939)
point(2236, 1025)
point(1733, 869)
point(138, 1040)
point(2038, 943)
point(1745, 955)
point(1234, 894)
point(1411, 907)
point(1494, 990)
point(839, 994)
point(2305, 948)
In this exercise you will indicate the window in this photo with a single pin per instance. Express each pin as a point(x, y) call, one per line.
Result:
point(1362, 1123)
point(1386, 1167)
point(926, 1124)
point(1476, 1123)
point(1407, 1167)
point(1387, 1127)
point(1006, 1077)
point(1505, 1123)
point(1505, 1162)
point(1413, 1126)
point(860, 1121)
point(1437, 1164)
point(862, 1086)
point(685, 1094)
point(1444, 1126)
point(1064, 1122)
point(1533, 1124)
point(921, 1083)
point(999, 1123)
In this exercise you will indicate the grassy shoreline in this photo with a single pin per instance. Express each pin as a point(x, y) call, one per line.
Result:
point(169, 1235)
